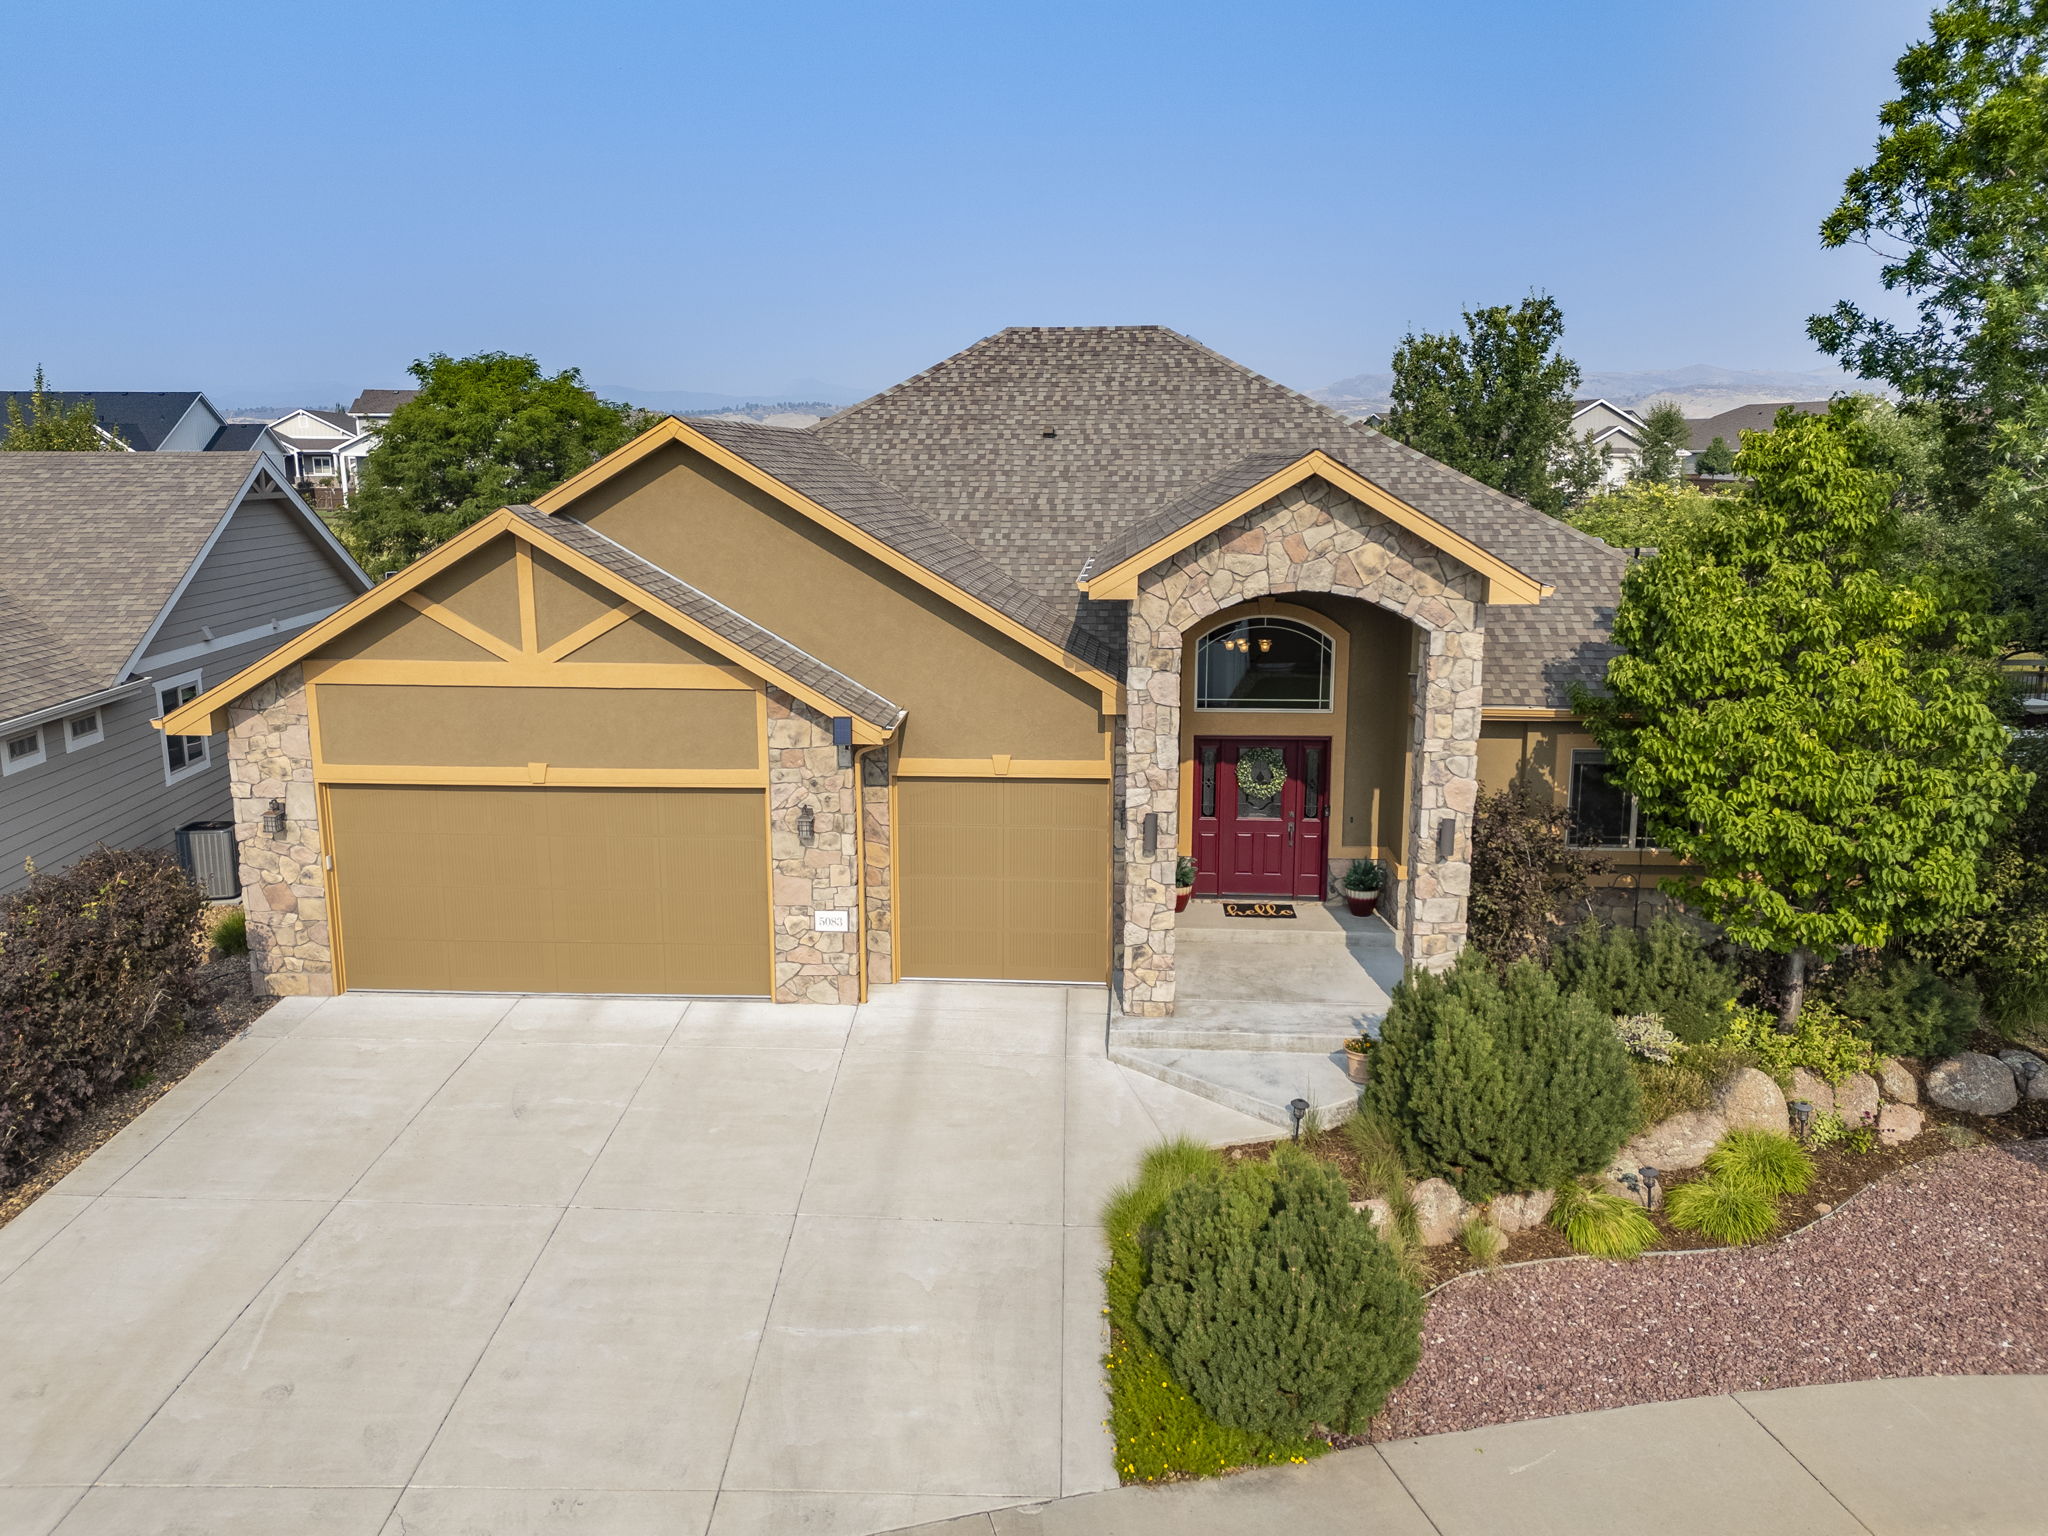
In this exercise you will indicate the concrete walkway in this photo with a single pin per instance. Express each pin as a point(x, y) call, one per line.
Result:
point(437, 1264)
point(1936, 1456)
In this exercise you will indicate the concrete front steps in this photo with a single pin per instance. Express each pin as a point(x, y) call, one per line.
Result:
point(1264, 1008)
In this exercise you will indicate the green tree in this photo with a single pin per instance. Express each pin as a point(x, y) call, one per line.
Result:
point(47, 427)
point(1810, 731)
point(483, 432)
point(1274, 1303)
point(1641, 515)
point(1717, 458)
point(1495, 402)
point(1667, 436)
point(1955, 202)
point(1499, 1081)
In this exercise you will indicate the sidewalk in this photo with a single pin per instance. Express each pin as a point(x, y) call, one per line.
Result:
point(1958, 1456)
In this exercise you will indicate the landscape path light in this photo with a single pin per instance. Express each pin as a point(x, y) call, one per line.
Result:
point(1299, 1109)
point(1802, 1117)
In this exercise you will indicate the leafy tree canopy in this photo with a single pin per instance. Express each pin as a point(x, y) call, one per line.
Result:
point(1495, 402)
point(1666, 437)
point(1809, 729)
point(1640, 515)
point(1955, 202)
point(47, 427)
point(1717, 458)
point(483, 432)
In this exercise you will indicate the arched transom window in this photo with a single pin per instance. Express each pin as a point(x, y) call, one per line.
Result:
point(1264, 664)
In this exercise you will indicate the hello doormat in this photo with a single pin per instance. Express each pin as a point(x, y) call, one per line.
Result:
point(1258, 909)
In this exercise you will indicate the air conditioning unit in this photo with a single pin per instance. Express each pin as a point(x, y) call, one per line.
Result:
point(208, 851)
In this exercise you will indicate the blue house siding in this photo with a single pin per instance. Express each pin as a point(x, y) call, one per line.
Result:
point(265, 566)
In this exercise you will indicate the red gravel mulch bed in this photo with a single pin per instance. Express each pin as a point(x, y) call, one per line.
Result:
point(1940, 1270)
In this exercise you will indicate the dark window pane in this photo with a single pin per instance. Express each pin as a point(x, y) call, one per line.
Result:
point(1263, 664)
point(1312, 783)
point(1602, 812)
point(1209, 781)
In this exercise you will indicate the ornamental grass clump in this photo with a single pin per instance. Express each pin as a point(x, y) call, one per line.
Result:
point(1768, 1161)
point(1160, 1431)
point(1498, 1081)
point(1601, 1224)
point(1728, 1210)
point(1274, 1303)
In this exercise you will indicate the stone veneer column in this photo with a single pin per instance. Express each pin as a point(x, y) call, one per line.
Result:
point(877, 831)
point(1313, 538)
point(803, 770)
point(284, 883)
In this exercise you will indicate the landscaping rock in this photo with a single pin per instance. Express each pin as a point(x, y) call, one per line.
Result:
point(1898, 1124)
point(1439, 1211)
point(1750, 1101)
point(2029, 1071)
point(1856, 1099)
point(1897, 1081)
point(1519, 1213)
point(1973, 1083)
point(1813, 1089)
point(1378, 1212)
point(1683, 1141)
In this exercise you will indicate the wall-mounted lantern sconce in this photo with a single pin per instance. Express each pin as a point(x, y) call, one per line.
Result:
point(807, 826)
point(1151, 833)
point(842, 738)
point(273, 820)
point(1446, 836)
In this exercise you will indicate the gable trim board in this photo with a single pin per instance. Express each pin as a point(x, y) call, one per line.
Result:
point(207, 714)
point(1505, 586)
point(257, 472)
point(673, 430)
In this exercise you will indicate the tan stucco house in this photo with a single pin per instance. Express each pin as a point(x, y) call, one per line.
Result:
point(940, 687)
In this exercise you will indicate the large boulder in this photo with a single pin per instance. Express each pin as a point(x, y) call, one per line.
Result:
point(1897, 1081)
point(1973, 1084)
point(1440, 1211)
point(1815, 1090)
point(1683, 1141)
point(1518, 1213)
point(1898, 1124)
point(1856, 1099)
point(2029, 1072)
point(1750, 1101)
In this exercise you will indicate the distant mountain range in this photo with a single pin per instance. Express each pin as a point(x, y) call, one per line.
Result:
point(1699, 390)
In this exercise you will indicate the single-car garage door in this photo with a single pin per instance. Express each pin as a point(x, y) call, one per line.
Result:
point(1004, 879)
point(551, 890)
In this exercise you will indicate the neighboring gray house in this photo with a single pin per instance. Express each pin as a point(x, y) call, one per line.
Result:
point(1731, 424)
point(162, 421)
point(130, 582)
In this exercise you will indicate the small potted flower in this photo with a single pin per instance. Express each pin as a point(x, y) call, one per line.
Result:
point(1358, 1056)
point(1363, 882)
point(1183, 883)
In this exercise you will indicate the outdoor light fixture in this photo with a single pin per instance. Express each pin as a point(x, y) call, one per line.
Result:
point(1802, 1117)
point(807, 826)
point(1649, 1178)
point(1151, 833)
point(1299, 1109)
point(1446, 836)
point(273, 820)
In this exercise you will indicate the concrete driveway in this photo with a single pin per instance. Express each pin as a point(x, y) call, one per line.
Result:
point(443, 1264)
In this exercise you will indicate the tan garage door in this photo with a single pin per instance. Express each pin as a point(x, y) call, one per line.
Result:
point(551, 890)
point(1004, 879)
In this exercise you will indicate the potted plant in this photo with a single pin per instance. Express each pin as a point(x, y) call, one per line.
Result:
point(1363, 882)
point(1183, 883)
point(1357, 1056)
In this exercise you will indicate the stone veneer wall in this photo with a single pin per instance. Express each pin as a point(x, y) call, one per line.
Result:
point(877, 849)
point(1312, 538)
point(284, 884)
point(803, 769)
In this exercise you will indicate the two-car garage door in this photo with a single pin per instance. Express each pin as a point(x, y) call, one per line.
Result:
point(551, 890)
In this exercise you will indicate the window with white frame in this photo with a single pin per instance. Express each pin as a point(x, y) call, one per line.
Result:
point(22, 750)
point(183, 755)
point(1603, 814)
point(1263, 664)
point(84, 730)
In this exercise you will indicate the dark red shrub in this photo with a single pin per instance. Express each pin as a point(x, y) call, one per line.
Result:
point(98, 964)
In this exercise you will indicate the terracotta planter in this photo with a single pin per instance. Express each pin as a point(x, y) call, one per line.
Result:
point(1181, 893)
point(1362, 903)
point(1358, 1064)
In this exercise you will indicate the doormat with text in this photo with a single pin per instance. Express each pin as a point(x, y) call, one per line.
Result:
point(1258, 909)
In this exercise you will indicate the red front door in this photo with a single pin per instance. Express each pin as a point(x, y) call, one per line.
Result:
point(1261, 816)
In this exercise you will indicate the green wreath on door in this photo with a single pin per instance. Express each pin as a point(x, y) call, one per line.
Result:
point(1261, 773)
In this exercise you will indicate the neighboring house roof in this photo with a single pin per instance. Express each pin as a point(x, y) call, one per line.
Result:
point(98, 546)
point(380, 402)
point(1730, 425)
point(142, 418)
point(238, 437)
point(1040, 445)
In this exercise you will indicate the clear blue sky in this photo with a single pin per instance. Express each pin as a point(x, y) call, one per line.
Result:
point(271, 202)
